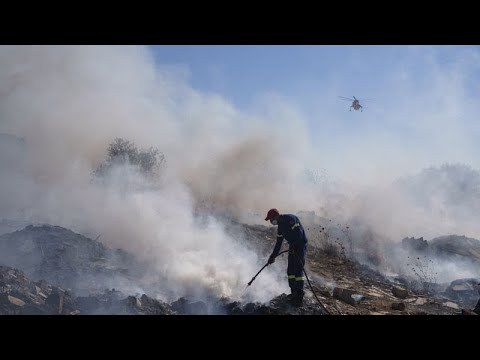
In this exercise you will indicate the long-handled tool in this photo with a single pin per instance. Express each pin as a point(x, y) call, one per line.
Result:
point(311, 287)
point(264, 266)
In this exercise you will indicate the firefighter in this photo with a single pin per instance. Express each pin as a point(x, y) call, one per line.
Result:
point(291, 230)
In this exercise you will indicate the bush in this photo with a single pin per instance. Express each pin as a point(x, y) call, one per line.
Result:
point(149, 163)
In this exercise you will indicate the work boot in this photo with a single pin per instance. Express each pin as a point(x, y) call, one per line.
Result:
point(297, 300)
point(291, 296)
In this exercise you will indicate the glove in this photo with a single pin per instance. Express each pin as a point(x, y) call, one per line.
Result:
point(271, 260)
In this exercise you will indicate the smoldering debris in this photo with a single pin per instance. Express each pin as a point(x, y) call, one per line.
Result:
point(62, 272)
point(68, 259)
point(21, 296)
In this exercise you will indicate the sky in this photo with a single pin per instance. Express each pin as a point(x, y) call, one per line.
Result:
point(241, 72)
point(419, 98)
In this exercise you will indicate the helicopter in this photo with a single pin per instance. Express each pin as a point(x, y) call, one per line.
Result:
point(355, 104)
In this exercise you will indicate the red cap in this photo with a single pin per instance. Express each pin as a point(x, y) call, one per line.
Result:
point(271, 214)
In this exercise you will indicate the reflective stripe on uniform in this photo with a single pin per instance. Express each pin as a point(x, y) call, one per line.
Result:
point(279, 236)
point(291, 277)
point(299, 278)
point(295, 225)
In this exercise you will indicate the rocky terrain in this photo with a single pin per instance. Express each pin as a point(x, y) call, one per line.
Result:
point(48, 269)
point(62, 257)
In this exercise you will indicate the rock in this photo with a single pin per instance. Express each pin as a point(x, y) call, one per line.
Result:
point(399, 293)
point(398, 306)
point(15, 301)
point(344, 295)
point(464, 285)
point(420, 301)
point(461, 287)
point(464, 290)
point(451, 305)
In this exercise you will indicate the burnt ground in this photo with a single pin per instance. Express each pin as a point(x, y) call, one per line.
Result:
point(335, 278)
point(47, 270)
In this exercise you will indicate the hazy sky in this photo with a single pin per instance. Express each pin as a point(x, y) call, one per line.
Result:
point(423, 108)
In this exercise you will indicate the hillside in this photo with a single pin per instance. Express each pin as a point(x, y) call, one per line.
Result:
point(48, 269)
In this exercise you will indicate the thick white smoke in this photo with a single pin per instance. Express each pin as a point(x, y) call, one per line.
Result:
point(69, 102)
